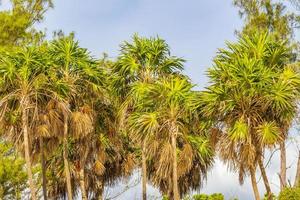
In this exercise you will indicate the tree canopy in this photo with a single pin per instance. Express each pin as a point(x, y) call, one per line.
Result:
point(72, 125)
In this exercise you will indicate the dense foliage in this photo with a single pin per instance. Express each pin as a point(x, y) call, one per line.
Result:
point(17, 24)
point(208, 197)
point(289, 194)
point(13, 177)
point(80, 124)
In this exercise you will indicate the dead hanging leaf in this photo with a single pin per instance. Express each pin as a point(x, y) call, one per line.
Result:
point(102, 156)
point(185, 160)
point(164, 164)
point(43, 131)
point(81, 124)
point(129, 164)
point(215, 136)
point(152, 148)
point(86, 109)
point(99, 168)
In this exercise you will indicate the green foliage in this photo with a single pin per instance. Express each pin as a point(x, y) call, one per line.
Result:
point(165, 197)
point(266, 197)
point(17, 24)
point(267, 16)
point(143, 59)
point(239, 130)
point(253, 92)
point(253, 95)
point(289, 194)
point(269, 133)
point(13, 177)
point(215, 196)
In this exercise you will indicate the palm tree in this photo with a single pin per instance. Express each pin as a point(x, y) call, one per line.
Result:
point(115, 157)
point(97, 154)
point(74, 76)
point(163, 122)
point(143, 60)
point(23, 82)
point(46, 127)
point(251, 92)
point(174, 106)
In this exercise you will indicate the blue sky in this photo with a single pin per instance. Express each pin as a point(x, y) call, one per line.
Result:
point(194, 29)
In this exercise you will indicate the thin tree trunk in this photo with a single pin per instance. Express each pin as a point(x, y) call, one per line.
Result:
point(100, 191)
point(82, 184)
point(254, 184)
point(282, 165)
point(297, 178)
point(43, 168)
point(144, 173)
point(170, 188)
point(65, 156)
point(17, 194)
point(27, 149)
point(175, 178)
point(265, 178)
point(82, 175)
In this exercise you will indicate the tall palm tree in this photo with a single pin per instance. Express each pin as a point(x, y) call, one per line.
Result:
point(174, 106)
point(164, 120)
point(97, 154)
point(23, 83)
point(251, 92)
point(47, 127)
point(143, 60)
point(74, 75)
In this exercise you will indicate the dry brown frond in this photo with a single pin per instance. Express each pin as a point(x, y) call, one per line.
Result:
point(129, 164)
point(99, 168)
point(185, 160)
point(81, 124)
point(43, 131)
point(164, 164)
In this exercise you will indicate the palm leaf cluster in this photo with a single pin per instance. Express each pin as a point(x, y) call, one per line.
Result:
point(253, 96)
point(81, 119)
point(91, 123)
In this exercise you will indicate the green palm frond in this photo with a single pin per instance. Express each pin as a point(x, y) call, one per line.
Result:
point(143, 125)
point(202, 146)
point(146, 59)
point(139, 94)
point(268, 133)
point(239, 131)
point(281, 96)
point(175, 90)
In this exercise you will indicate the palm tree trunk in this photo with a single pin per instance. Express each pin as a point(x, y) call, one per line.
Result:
point(254, 184)
point(170, 188)
point(17, 194)
point(297, 178)
point(265, 178)
point(65, 157)
point(144, 173)
point(43, 169)
point(175, 178)
point(100, 190)
point(84, 195)
point(26, 148)
point(282, 165)
point(82, 184)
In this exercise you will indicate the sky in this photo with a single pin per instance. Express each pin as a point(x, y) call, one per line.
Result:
point(194, 29)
